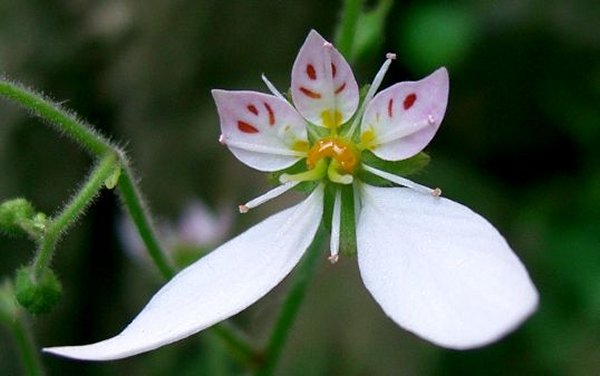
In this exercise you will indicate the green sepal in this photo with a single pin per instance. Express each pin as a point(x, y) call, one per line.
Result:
point(404, 167)
point(328, 199)
point(300, 166)
point(348, 222)
point(37, 295)
point(315, 133)
point(112, 181)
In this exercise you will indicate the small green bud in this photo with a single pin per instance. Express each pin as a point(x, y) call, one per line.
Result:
point(40, 295)
point(112, 181)
point(13, 214)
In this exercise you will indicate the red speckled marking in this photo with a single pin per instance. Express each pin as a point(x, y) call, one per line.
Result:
point(310, 72)
point(409, 101)
point(252, 109)
point(246, 128)
point(271, 114)
point(333, 69)
point(341, 88)
point(390, 107)
point(310, 93)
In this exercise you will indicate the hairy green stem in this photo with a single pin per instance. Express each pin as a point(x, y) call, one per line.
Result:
point(132, 199)
point(55, 115)
point(68, 124)
point(72, 210)
point(345, 34)
point(292, 303)
point(28, 350)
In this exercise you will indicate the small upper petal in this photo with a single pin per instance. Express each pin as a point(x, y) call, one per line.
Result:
point(215, 287)
point(323, 86)
point(440, 270)
point(401, 120)
point(261, 130)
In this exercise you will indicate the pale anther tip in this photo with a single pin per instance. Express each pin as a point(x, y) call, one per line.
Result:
point(390, 55)
point(221, 139)
point(333, 259)
point(436, 192)
point(243, 209)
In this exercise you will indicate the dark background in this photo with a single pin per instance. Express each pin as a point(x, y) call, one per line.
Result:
point(520, 144)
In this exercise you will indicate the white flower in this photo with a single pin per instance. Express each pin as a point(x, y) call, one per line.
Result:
point(436, 268)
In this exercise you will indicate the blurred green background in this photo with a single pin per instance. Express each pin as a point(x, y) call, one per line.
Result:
point(520, 144)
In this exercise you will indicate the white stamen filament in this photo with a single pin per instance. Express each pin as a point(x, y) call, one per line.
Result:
point(262, 148)
point(372, 90)
point(403, 181)
point(272, 88)
point(336, 217)
point(275, 192)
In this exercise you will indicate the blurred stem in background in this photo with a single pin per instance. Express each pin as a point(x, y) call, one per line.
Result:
point(15, 321)
point(294, 299)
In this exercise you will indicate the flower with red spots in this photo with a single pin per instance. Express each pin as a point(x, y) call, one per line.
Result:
point(435, 267)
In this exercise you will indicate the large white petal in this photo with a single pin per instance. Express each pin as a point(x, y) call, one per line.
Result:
point(216, 287)
point(440, 270)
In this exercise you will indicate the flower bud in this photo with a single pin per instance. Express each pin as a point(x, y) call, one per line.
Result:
point(13, 214)
point(37, 295)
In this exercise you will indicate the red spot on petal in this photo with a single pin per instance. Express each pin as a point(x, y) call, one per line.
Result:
point(310, 72)
point(341, 88)
point(271, 114)
point(246, 128)
point(390, 107)
point(409, 100)
point(333, 70)
point(252, 109)
point(310, 93)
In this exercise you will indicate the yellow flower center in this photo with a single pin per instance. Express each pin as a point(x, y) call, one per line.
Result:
point(340, 150)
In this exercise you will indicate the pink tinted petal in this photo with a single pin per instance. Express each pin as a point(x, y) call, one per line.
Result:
point(323, 86)
point(402, 119)
point(262, 131)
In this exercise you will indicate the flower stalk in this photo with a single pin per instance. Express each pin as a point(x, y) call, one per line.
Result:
point(72, 210)
point(289, 309)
